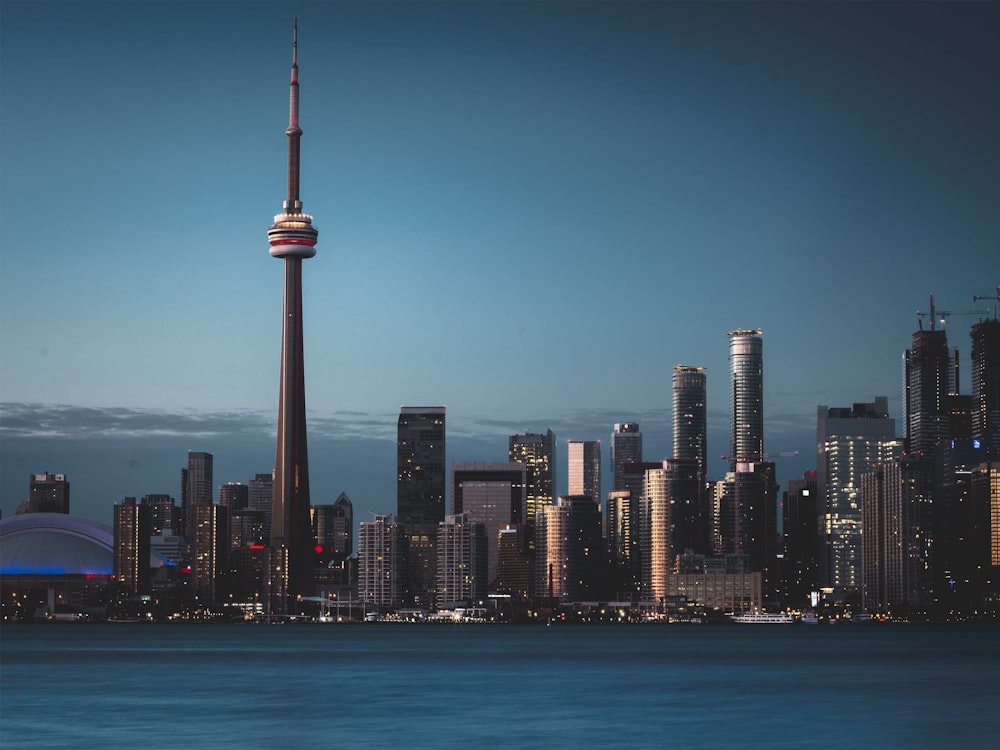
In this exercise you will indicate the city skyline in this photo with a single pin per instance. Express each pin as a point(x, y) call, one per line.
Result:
point(812, 171)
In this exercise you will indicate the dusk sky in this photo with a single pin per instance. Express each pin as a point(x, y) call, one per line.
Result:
point(528, 212)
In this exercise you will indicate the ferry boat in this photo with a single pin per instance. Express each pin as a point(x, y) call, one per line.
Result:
point(763, 618)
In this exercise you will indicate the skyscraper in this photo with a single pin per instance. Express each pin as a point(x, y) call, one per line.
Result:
point(746, 396)
point(234, 496)
point(333, 527)
point(537, 453)
point(132, 547)
point(47, 493)
point(930, 373)
point(380, 559)
point(690, 420)
point(461, 561)
point(626, 445)
point(569, 549)
point(209, 551)
point(196, 487)
point(986, 385)
point(584, 463)
point(163, 512)
point(799, 569)
point(293, 239)
point(420, 495)
point(849, 442)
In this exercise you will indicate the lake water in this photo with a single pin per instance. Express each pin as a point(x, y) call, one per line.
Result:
point(416, 686)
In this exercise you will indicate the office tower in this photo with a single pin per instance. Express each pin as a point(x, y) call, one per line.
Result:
point(800, 568)
point(420, 495)
point(626, 446)
point(47, 493)
point(247, 550)
point(333, 528)
point(897, 545)
point(196, 487)
point(292, 238)
point(746, 397)
point(261, 499)
point(849, 442)
point(634, 480)
point(234, 496)
point(537, 453)
point(163, 512)
point(584, 462)
point(930, 373)
point(380, 561)
point(690, 420)
point(513, 565)
point(986, 386)
point(619, 527)
point(461, 562)
point(132, 547)
point(985, 493)
point(569, 557)
point(209, 552)
point(492, 494)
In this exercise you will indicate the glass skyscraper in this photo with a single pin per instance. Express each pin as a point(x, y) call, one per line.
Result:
point(746, 397)
point(690, 422)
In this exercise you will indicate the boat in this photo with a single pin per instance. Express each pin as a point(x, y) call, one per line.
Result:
point(763, 618)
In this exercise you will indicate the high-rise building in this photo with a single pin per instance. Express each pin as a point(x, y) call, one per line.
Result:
point(655, 537)
point(849, 442)
point(261, 499)
point(746, 397)
point(690, 416)
point(626, 446)
point(513, 565)
point(47, 493)
point(196, 487)
point(132, 547)
point(537, 453)
point(746, 523)
point(898, 540)
point(163, 512)
point(492, 494)
point(800, 563)
point(420, 465)
point(584, 462)
point(333, 528)
point(292, 238)
point(619, 527)
point(986, 386)
point(209, 551)
point(420, 495)
point(930, 374)
point(986, 499)
point(569, 555)
point(380, 561)
point(234, 496)
point(461, 562)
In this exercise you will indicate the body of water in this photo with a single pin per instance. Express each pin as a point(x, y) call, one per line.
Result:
point(384, 685)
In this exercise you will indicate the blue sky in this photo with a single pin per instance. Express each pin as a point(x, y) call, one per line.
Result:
point(529, 212)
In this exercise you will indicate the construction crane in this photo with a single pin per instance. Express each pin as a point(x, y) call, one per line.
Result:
point(942, 314)
point(977, 297)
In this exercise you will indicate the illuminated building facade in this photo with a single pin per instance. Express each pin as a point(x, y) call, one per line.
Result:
point(196, 487)
point(537, 452)
point(930, 374)
point(380, 563)
point(461, 562)
point(163, 512)
point(746, 397)
point(209, 552)
point(584, 462)
point(133, 523)
point(849, 442)
point(569, 549)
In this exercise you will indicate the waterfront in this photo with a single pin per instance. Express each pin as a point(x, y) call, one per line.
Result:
point(168, 686)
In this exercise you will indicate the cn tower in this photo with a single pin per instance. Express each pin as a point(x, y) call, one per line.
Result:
point(292, 238)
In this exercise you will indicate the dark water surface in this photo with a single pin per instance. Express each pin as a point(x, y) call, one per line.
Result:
point(382, 685)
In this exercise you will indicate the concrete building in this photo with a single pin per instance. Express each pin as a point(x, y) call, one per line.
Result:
point(569, 549)
point(196, 487)
point(209, 551)
point(462, 562)
point(584, 463)
point(380, 563)
point(164, 513)
point(133, 523)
